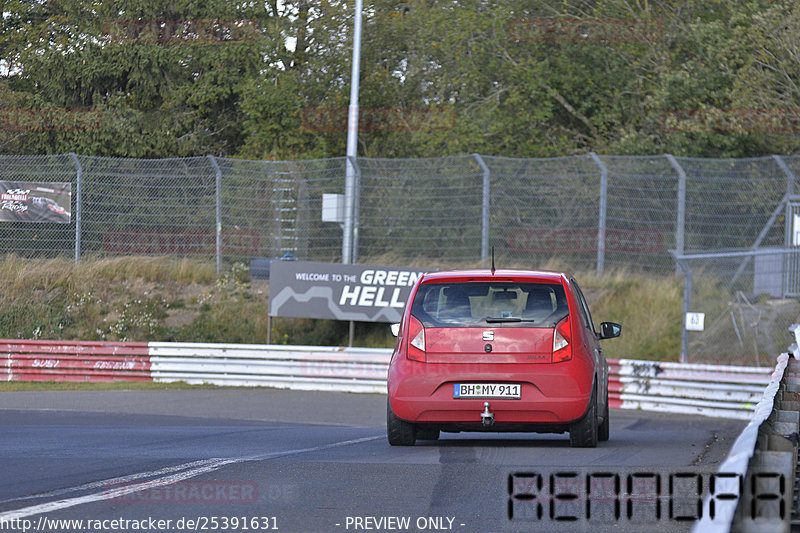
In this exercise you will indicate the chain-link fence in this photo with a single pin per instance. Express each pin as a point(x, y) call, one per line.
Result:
point(582, 213)
point(738, 305)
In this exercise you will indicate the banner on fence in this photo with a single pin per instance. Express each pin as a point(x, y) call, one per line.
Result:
point(35, 201)
point(365, 293)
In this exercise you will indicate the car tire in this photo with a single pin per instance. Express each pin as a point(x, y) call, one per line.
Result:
point(583, 433)
point(427, 433)
point(604, 430)
point(399, 432)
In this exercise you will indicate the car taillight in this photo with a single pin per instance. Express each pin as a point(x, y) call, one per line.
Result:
point(416, 340)
point(562, 351)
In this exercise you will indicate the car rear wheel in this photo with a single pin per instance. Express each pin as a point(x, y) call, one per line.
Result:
point(603, 432)
point(399, 432)
point(583, 433)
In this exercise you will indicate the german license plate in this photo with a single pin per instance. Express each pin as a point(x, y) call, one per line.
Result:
point(487, 390)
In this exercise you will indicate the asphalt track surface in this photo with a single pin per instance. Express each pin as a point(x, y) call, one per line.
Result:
point(266, 460)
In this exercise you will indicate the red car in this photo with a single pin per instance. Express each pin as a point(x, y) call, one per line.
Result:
point(505, 350)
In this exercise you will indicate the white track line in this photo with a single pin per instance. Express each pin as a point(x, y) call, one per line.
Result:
point(111, 481)
point(114, 493)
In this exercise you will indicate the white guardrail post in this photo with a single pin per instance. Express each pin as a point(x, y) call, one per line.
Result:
point(754, 485)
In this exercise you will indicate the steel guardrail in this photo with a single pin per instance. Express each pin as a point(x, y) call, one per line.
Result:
point(711, 390)
point(760, 466)
point(82, 361)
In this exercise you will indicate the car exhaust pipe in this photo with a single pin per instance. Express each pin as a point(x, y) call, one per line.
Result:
point(487, 418)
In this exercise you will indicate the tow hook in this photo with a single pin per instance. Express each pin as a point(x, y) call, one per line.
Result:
point(487, 418)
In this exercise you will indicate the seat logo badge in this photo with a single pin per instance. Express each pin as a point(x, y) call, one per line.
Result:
point(488, 335)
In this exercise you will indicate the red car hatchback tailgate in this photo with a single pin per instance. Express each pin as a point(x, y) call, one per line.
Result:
point(489, 345)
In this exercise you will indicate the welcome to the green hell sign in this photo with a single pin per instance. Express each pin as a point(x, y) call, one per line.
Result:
point(373, 286)
point(343, 292)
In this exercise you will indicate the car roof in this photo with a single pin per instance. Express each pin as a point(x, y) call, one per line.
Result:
point(535, 276)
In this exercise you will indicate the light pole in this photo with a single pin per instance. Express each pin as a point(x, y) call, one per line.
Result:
point(352, 141)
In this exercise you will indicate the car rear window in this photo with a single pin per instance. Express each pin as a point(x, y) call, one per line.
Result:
point(504, 304)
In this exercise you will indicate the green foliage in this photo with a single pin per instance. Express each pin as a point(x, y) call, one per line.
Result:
point(138, 319)
point(228, 319)
point(437, 78)
point(157, 95)
point(32, 318)
point(310, 332)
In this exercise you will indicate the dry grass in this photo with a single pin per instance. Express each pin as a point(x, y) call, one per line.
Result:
point(154, 269)
point(648, 307)
point(25, 274)
point(169, 299)
point(126, 298)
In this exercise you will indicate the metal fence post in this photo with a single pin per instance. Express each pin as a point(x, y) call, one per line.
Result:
point(787, 226)
point(484, 209)
point(349, 206)
point(687, 306)
point(601, 224)
point(78, 200)
point(790, 177)
point(218, 200)
point(687, 303)
point(680, 223)
point(356, 206)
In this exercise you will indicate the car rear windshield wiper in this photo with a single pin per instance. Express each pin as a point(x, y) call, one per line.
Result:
point(500, 320)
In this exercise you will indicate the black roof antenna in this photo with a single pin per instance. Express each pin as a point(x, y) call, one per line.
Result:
point(492, 260)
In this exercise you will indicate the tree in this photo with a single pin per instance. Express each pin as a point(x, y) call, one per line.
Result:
point(165, 80)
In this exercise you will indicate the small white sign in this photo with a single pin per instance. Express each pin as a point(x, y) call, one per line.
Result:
point(796, 231)
point(695, 321)
point(333, 208)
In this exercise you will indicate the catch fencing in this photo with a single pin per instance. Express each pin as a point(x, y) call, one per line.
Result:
point(655, 215)
point(586, 212)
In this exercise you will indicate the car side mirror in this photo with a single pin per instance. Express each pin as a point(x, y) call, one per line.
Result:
point(395, 328)
point(609, 330)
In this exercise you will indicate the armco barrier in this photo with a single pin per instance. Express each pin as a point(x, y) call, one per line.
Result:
point(760, 469)
point(24, 360)
point(288, 367)
point(712, 390)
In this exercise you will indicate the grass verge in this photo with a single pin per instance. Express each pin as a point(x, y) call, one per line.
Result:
point(168, 299)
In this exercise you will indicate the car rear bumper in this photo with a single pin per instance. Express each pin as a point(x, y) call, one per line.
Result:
point(550, 394)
